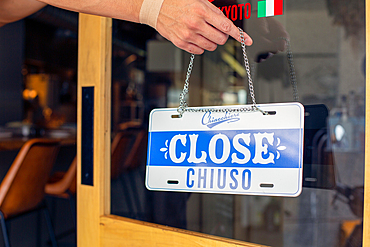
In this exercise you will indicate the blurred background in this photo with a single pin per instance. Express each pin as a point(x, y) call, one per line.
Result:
point(325, 71)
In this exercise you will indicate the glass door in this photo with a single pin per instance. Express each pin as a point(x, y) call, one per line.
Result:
point(322, 66)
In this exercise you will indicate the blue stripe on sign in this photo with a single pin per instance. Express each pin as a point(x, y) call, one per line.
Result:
point(280, 148)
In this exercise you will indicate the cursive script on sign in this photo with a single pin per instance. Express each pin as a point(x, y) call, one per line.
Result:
point(211, 121)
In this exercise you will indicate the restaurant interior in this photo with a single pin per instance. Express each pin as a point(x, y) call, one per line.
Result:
point(38, 101)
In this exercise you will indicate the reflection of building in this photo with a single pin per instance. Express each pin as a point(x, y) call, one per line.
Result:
point(327, 67)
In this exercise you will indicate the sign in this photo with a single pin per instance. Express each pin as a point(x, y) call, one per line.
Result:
point(234, 153)
point(265, 8)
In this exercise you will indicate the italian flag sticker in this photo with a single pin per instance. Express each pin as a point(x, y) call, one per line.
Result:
point(268, 8)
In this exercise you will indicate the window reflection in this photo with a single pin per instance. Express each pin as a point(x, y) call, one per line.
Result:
point(328, 47)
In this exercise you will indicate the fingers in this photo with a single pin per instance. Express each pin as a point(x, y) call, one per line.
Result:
point(196, 25)
point(280, 45)
point(196, 44)
point(270, 37)
point(191, 40)
point(278, 34)
point(276, 29)
point(201, 31)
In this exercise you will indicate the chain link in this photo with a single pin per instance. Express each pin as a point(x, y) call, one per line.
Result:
point(247, 68)
point(183, 107)
point(292, 75)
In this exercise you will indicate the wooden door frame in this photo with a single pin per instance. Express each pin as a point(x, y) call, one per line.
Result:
point(95, 226)
point(94, 65)
point(366, 229)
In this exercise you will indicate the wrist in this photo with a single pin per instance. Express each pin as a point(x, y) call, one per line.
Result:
point(149, 12)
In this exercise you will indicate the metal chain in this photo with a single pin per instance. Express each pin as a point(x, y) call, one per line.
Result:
point(183, 107)
point(247, 68)
point(292, 75)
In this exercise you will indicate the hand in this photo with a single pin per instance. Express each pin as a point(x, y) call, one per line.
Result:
point(269, 35)
point(196, 25)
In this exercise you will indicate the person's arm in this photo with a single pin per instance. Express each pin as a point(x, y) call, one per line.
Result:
point(192, 25)
point(14, 10)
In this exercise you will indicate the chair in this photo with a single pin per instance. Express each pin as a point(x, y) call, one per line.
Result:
point(22, 189)
point(63, 185)
point(128, 151)
point(124, 150)
point(127, 145)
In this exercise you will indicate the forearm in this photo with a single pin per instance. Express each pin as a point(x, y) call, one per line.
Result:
point(119, 9)
point(192, 25)
point(14, 10)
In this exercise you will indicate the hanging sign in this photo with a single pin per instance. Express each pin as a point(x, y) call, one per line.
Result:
point(227, 152)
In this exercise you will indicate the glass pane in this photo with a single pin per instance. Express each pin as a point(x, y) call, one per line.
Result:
point(322, 67)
